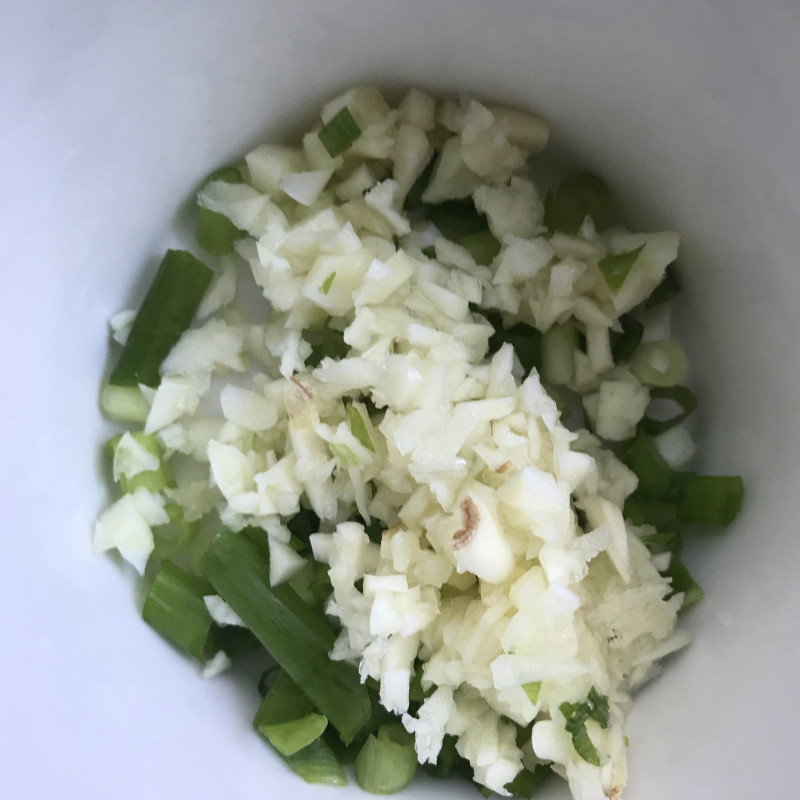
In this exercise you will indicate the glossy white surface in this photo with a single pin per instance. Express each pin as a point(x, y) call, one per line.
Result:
point(111, 112)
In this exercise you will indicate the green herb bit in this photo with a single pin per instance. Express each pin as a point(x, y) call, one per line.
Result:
point(359, 428)
point(616, 266)
point(682, 581)
point(682, 395)
point(583, 744)
point(711, 499)
point(327, 283)
point(298, 637)
point(339, 133)
point(527, 782)
point(654, 473)
point(387, 762)
point(167, 311)
point(175, 608)
point(595, 707)
point(532, 690)
point(347, 458)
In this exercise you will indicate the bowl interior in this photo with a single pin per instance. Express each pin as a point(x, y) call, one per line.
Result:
point(114, 112)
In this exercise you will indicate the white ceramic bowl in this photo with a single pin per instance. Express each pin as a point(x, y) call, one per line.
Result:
point(112, 112)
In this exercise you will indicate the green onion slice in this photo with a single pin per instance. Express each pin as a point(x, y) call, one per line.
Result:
point(616, 266)
point(215, 232)
point(711, 499)
point(347, 458)
point(289, 737)
point(660, 363)
point(682, 395)
point(643, 458)
point(532, 690)
point(317, 763)
point(682, 581)
point(174, 607)
point(339, 133)
point(359, 428)
point(387, 762)
point(124, 403)
point(327, 283)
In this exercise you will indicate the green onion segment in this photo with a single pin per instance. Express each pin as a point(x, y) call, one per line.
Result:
point(165, 313)
point(299, 639)
point(616, 266)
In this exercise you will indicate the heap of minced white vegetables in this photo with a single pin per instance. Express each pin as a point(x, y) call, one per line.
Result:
point(504, 572)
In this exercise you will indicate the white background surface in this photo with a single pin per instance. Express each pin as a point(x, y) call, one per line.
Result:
point(110, 114)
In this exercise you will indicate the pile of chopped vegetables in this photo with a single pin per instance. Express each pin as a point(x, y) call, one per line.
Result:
point(439, 474)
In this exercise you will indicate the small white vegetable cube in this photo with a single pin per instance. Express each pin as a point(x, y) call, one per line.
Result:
point(332, 280)
point(365, 103)
point(248, 409)
point(174, 398)
point(131, 458)
point(451, 178)
point(660, 250)
point(284, 562)
point(522, 127)
point(123, 527)
point(620, 407)
point(410, 155)
point(268, 164)
point(305, 187)
point(418, 109)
